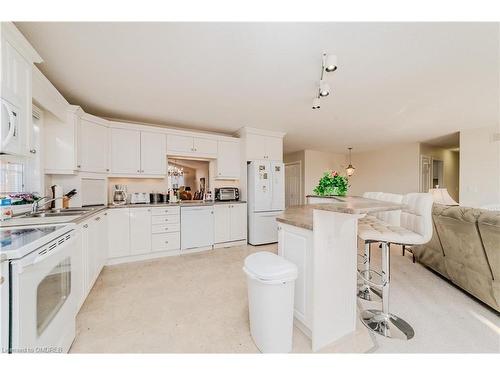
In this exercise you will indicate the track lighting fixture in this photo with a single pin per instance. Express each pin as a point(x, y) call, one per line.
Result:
point(324, 88)
point(328, 65)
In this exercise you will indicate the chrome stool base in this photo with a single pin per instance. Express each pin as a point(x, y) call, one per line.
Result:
point(369, 294)
point(387, 325)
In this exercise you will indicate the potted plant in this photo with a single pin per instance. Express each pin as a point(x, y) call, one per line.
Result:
point(332, 184)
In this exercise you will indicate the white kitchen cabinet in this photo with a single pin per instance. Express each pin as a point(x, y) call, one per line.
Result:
point(185, 145)
point(93, 142)
point(263, 147)
point(118, 232)
point(228, 160)
point(125, 153)
point(153, 153)
point(140, 231)
point(230, 222)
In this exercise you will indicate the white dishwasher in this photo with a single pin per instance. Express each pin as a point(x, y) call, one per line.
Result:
point(197, 227)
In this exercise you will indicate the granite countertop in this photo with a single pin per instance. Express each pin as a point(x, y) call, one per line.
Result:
point(178, 204)
point(302, 216)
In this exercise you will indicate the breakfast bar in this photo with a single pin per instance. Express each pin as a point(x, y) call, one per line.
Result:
point(321, 239)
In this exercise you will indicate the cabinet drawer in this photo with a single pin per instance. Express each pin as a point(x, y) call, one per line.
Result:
point(165, 211)
point(165, 228)
point(165, 219)
point(166, 241)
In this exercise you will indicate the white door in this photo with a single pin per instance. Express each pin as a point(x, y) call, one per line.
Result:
point(425, 173)
point(222, 223)
point(293, 192)
point(103, 240)
point(140, 231)
point(94, 147)
point(228, 160)
point(179, 143)
point(119, 232)
point(278, 186)
point(153, 153)
point(92, 251)
point(125, 151)
point(238, 221)
point(205, 146)
point(197, 227)
point(274, 148)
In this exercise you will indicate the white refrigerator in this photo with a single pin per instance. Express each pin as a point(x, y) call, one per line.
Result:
point(266, 200)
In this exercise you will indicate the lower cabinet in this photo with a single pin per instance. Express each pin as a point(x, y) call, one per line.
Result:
point(140, 231)
point(119, 232)
point(230, 222)
point(93, 251)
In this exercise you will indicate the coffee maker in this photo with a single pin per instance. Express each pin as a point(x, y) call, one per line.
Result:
point(120, 195)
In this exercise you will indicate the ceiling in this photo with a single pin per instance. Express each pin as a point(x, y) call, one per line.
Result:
point(396, 82)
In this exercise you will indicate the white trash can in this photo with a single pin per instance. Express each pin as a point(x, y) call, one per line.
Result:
point(271, 284)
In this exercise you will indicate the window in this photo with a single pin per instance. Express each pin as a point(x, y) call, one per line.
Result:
point(11, 176)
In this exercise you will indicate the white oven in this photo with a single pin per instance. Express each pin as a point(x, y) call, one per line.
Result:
point(43, 297)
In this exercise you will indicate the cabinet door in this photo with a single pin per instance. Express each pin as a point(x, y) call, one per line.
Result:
point(222, 223)
point(94, 147)
point(153, 153)
point(274, 148)
point(83, 279)
point(103, 241)
point(238, 220)
point(256, 147)
point(16, 76)
point(205, 146)
point(125, 151)
point(92, 252)
point(140, 231)
point(228, 160)
point(179, 143)
point(118, 232)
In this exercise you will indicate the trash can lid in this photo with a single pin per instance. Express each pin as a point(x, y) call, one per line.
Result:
point(268, 266)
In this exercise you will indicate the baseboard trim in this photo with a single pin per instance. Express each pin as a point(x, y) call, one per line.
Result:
point(230, 244)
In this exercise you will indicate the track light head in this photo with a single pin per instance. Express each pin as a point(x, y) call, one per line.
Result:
point(316, 103)
point(330, 63)
point(324, 88)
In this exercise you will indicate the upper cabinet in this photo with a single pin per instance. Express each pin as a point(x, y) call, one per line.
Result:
point(93, 145)
point(137, 153)
point(228, 160)
point(16, 69)
point(261, 144)
point(184, 145)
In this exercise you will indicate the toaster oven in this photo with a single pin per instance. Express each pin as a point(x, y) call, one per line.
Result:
point(227, 194)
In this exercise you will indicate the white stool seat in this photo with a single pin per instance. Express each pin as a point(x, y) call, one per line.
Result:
point(382, 232)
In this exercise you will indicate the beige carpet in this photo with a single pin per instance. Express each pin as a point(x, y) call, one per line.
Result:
point(194, 303)
point(197, 303)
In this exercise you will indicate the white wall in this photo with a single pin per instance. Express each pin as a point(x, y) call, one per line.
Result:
point(317, 163)
point(393, 169)
point(479, 167)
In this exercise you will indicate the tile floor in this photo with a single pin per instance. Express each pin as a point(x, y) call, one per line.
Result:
point(197, 303)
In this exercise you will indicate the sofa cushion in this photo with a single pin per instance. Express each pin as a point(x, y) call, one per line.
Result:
point(489, 228)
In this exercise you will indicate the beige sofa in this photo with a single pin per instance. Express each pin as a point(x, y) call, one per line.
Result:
point(465, 248)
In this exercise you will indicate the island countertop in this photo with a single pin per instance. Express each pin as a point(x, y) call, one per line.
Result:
point(302, 215)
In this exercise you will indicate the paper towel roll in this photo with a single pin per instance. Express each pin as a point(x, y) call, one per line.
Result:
point(57, 192)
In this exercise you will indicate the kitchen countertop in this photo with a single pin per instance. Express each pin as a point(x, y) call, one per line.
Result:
point(179, 204)
point(302, 215)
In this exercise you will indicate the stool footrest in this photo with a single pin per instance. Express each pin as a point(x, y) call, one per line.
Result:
point(368, 275)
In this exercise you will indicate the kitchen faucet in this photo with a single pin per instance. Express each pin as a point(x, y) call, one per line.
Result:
point(36, 204)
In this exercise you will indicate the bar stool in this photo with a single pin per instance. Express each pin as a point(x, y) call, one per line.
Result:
point(365, 291)
point(415, 229)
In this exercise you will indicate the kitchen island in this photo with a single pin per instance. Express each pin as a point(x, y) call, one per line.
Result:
point(321, 239)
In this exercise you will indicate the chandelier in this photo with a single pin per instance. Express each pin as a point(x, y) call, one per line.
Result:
point(175, 171)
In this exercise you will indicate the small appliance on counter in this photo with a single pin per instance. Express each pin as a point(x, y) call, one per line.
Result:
point(119, 195)
point(227, 194)
point(157, 198)
point(139, 198)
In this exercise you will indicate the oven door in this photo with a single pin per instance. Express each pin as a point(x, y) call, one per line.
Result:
point(43, 298)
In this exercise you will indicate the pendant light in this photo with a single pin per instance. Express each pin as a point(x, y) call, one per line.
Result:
point(350, 169)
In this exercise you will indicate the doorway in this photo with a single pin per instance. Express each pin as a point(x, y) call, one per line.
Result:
point(293, 188)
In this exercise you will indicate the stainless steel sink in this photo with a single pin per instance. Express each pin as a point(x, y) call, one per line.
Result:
point(55, 213)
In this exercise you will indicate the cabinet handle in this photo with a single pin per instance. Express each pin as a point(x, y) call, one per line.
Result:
point(97, 218)
point(78, 166)
point(33, 151)
point(85, 225)
point(166, 241)
point(105, 214)
point(149, 209)
point(107, 169)
point(166, 228)
point(139, 170)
